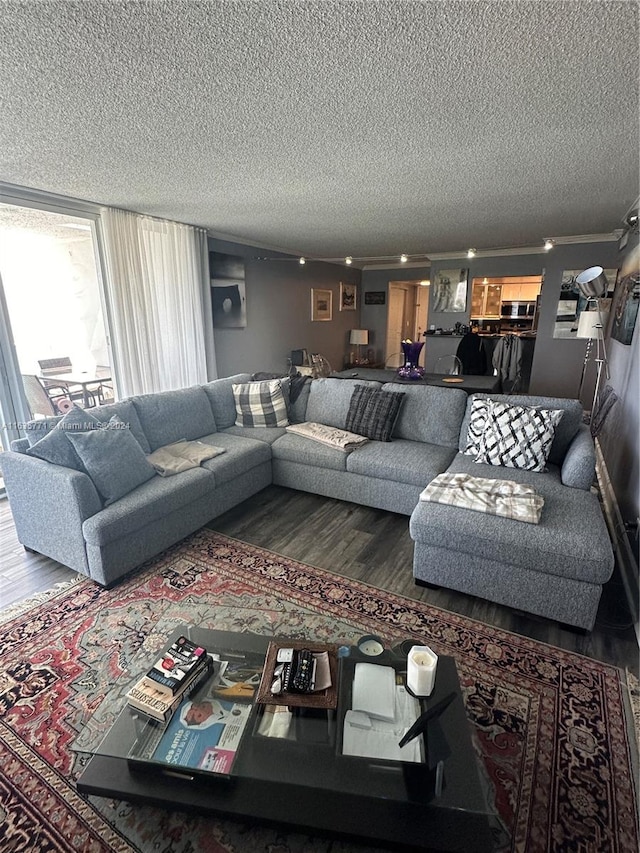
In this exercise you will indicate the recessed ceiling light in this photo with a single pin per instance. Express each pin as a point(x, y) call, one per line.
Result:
point(471, 253)
point(404, 259)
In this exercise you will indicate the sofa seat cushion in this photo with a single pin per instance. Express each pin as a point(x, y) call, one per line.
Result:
point(570, 541)
point(329, 400)
point(266, 434)
point(429, 413)
point(297, 448)
point(240, 456)
point(155, 499)
point(413, 462)
point(168, 416)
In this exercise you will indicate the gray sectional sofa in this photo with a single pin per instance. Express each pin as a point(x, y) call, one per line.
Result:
point(555, 568)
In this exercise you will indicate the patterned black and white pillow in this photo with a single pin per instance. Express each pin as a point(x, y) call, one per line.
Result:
point(260, 404)
point(477, 421)
point(518, 436)
point(373, 413)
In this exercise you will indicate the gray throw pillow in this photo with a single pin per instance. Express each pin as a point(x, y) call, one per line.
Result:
point(113, 459)
point(373, 413)
point(55, 447)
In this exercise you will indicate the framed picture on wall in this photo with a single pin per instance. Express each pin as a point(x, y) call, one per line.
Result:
point(321, 304)
point(348, 296)
point(450, 290)
point(228, 295)
point(375, 297)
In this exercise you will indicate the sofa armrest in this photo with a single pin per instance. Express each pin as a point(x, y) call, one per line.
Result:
point(579, 464)
point(49, 504)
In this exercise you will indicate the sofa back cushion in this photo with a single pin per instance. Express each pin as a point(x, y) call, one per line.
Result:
point(429, 413)
point(566, 430)
point(329, 400)
point(168, 416)
point(220, 395)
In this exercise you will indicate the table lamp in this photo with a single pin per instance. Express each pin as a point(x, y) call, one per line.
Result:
point(359, 338)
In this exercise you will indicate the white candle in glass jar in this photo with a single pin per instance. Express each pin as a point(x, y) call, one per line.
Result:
point(421, 670)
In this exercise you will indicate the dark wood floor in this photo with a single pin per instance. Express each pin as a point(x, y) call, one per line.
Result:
point(356, 542)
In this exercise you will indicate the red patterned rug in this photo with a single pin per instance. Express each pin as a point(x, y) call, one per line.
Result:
point(550, 727)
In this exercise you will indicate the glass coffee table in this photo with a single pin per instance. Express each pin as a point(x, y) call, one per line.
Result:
point(304, 779)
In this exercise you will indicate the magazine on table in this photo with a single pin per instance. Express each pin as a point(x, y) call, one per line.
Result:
point(204, 733)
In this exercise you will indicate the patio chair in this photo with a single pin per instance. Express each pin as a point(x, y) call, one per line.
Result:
point(39, 401)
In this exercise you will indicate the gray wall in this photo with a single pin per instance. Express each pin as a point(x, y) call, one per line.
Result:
point(619, 436)
point(278, 295)
point(374, 317)
point(557, 363)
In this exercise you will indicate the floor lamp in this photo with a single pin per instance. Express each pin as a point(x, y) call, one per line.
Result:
point(592, 284)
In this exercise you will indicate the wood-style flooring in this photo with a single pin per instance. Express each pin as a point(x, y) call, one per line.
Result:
point(356, 542)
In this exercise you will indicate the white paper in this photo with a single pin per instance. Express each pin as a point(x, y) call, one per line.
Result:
point(381, 738)
point(374, 690)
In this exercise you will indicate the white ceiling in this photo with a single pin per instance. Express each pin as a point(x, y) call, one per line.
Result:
point(330, 128)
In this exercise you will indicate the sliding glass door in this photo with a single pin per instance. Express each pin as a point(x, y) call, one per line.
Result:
point(51, 308)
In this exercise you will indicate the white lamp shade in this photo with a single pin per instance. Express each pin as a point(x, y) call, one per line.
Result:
point(359, 336)
point(587, 324)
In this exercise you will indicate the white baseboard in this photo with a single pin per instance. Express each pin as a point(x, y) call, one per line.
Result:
point(621, 547)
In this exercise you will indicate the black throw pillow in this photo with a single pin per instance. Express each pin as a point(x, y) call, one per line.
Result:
point(373, 413)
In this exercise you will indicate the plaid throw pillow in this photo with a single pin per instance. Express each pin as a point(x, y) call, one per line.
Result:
point(260, 404)
point(518, 436)
point(373, 413)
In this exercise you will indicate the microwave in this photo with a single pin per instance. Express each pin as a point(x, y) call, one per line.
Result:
point(517, 308)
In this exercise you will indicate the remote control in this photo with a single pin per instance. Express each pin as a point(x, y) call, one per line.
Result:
point(304, 672)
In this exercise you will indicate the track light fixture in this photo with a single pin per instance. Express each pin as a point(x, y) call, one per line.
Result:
point(348, 260)
point(471, 253)
point(302, 261)
point(548, 244)
point(404, 258)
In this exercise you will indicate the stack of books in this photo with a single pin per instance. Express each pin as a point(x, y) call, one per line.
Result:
point(179, 672)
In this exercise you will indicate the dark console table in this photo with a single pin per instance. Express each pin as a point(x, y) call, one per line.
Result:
point(470, 384)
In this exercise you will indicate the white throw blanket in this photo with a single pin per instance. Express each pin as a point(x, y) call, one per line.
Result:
point(339, 439)
point(181, 456)
point(497, 497)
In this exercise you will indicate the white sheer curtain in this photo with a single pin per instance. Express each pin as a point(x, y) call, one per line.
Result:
point(159, 299)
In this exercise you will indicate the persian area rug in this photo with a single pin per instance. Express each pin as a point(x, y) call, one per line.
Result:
point(550, 727)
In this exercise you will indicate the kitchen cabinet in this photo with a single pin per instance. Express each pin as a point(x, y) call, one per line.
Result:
point(520, 292)
point(485, 301)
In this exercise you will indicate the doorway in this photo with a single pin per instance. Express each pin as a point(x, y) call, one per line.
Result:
point(407, 317)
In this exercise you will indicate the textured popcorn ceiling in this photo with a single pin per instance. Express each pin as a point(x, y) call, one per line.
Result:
point(330, 128)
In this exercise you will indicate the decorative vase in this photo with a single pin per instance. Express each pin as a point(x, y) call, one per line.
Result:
point(411, 369)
